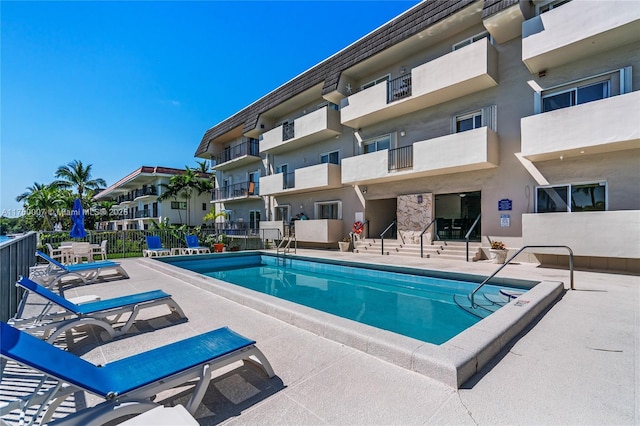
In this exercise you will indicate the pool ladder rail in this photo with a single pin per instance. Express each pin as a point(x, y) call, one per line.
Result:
point(486, 305)
point(481, 308)
point(285, 247)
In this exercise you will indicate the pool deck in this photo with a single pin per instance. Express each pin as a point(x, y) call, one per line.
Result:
point(579, 363)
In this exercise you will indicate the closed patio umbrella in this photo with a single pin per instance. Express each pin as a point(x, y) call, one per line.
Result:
point(77, 217)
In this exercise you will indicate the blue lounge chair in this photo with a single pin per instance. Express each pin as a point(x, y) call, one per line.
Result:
point(55, 271)
point(128, 384)
point(102, 313)
point(154, 247)
point(193, 246)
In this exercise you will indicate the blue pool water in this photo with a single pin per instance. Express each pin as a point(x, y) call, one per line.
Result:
point(4, 238)
point(414, 305)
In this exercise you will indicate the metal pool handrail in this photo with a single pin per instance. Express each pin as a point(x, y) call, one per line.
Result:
point(473, 293)
point(466, 237)
point(435, 236)
point(382, 236)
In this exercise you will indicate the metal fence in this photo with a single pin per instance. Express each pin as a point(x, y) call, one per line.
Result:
point(131, 242)
point(16, 256)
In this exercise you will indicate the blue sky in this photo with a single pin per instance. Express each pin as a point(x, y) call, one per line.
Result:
point(123, 84)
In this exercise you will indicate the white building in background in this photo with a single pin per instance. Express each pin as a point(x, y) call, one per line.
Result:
point(136, 201)
point(522, 115)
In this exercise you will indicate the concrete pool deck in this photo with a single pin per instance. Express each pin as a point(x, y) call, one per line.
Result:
point(577, 364)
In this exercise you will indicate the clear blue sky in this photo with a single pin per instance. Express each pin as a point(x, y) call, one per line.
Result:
point(123, 84)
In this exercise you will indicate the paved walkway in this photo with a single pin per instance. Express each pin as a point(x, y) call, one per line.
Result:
point(578, 364)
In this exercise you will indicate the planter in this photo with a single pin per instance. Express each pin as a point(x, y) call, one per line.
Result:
point(498, 256)
point(344, 246)
point(218, 248)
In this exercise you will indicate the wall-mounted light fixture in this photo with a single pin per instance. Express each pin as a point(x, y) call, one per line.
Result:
point(364, 189)
point(402, 69)
point(402, 133)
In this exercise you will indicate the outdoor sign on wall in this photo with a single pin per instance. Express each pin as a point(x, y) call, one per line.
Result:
point(505, 205)
point(505, 220)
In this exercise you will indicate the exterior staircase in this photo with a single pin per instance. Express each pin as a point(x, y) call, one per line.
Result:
point(453, 250)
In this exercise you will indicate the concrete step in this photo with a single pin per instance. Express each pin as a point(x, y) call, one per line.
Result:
point(454, 250)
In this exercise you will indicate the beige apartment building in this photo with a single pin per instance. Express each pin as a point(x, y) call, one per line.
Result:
point(136, 204)
point(475, 120)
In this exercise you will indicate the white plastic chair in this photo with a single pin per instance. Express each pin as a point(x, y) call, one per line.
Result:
point(56, 254)
point(82, 251)
point(101, 251)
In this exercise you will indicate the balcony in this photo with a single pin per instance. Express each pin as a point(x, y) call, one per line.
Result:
point(318, 125)
point(460, 152)
point(145, 192)
point(617, 233)
point(606, 125)
point(236, 155)
point(578, 30)
point(320, 176)
point(142, 214)
point(467, 70)
point(236, 192)
point(319, 230)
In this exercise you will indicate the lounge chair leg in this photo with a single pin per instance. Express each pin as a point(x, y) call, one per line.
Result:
point(264, 362)
point(200, 389)
point(84, 321)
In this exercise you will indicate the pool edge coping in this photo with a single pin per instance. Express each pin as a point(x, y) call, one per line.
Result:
point(451, 363)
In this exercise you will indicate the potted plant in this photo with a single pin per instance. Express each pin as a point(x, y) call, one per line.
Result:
point(221, 242)
point(498, 252)
point(345, 243)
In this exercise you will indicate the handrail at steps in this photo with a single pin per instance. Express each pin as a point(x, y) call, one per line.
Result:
point(473, 293)
point(435, 235)
point(466, 237)
point(382, 235)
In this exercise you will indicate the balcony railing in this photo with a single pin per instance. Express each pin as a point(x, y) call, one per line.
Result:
point(401, 158)
point(249, 147)
point(289, 180)
point(399, 88)
point(288, 131)
point(237, 190)
point(150, 190)
point(142, 213)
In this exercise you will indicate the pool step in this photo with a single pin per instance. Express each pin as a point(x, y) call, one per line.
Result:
point(453, 250)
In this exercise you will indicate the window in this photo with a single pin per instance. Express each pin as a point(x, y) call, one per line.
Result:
point(571, 198)
point(178, 205)
point(469, 121)
point(328, 210)
point(379, 80)
point(282, 213)
point(485, 117)
point(282, 169)
point(576, 96)
point(377, 144)
point(547, 5)
point(254, 219)
point(468, 41)
point(204, 207)
point(330, 157)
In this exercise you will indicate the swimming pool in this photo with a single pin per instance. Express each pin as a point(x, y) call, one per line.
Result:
point(452, 362)
point(408, 302)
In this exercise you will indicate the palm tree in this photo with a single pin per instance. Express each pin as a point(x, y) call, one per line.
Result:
point(30, 190)
point(76, 175)
point(43, 205)
point(185, 184)
point(172, 190)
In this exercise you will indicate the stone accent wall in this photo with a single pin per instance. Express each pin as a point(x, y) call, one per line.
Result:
point(414, 212)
